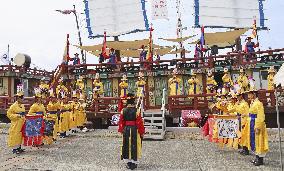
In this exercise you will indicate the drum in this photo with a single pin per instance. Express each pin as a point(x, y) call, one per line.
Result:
point(22, 60)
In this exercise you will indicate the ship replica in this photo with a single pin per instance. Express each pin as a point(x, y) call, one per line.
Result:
point(169, 86)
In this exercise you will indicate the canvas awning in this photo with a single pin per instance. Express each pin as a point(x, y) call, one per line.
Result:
point(177, 39)
point(136, 53)
point(178, 51)
point(119, 45)
point(222, 39)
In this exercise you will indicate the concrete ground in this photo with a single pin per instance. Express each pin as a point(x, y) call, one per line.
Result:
point(100, 150)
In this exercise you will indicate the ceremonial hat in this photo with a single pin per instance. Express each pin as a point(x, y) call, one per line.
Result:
point(142, 46)
point(218, 93)
point(20, 90)
point(242, 70)
point(226, 70)
point(76, 54)
point(175, 71)
point(124, 77)
point(271, 69)
point(74, 94)
point(193, 73)
point(209, 73)
point(97, 76)
point(37, 92)
point(248, 38)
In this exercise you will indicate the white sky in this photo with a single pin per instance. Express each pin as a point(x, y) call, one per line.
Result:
point(35, 28)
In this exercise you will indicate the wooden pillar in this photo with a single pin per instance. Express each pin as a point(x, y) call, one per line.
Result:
point(115, 87)
point(9, 86)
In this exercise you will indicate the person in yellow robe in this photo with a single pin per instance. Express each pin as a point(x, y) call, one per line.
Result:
point(174, 84)
point(61, 88)
point(227, 80)
point(243, 81)
point(65, 110)
point(242, 110)
point(211, 84)
point(270, 78)
point(140, 85)
point(232, 111)
point(44, 88)
point(53, 108)
point(37, 109)
point(74, 113)
point(16, 113)
point(80, 86)
point(98, 87)
point(194, 85)
point(82, 119)
point(258, 137)
point(123, 86)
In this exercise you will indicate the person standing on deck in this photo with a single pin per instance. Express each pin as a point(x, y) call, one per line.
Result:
point(174, 84)
point(227, 80)
point(143, 55)
point(98, 87)
point(123, 92)
point(243, 81)
point(270, 78)
point(140, 85)
point(194, 87)
point(112, 58)
point(16, 113)
point(132, 128)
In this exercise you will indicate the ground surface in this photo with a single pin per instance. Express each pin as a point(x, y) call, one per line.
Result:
point(100, 149)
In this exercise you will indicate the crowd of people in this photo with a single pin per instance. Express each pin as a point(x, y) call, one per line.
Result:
point(51, 115)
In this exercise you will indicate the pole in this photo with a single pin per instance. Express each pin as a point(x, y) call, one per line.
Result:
point(79, 35)
point(9, 54)
point(278, 124)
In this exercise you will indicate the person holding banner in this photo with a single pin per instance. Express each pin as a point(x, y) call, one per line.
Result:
point(258, 137)
point(242, 109)
point(51, 119)
point(16, 113)
point(132, 128)
point(34, 125)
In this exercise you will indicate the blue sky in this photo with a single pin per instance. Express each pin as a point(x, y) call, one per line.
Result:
point(33, 27)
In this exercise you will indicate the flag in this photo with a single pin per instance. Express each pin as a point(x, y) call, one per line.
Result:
point(5, 58)
point(104, 52)
point(66, 11)
point(202, 39)
point(159, 9)
point(66, 57)
point(254, 29)
point(149, 56)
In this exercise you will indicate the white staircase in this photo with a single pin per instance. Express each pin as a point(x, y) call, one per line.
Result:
point(155, 123)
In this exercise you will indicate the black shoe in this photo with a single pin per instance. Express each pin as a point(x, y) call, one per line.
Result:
point(21, 150)
point(258, 162)
point(128, 166)
point(16, 151)
point(255, 160)
point(133, 166)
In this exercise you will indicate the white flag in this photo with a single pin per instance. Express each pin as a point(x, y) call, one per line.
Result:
point(5, 58)
point(159, 9)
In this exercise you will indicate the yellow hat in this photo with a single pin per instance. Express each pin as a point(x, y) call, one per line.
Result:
point(97, 76)
point(37, 92)
point(209, 73)
point(242, 70)
point(271, 69)
point(226, 70)
point(124, 77)
point(175, 71)
point(20, 90)
point(51, 93)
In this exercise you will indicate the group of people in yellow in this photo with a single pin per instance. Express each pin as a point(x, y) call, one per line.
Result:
point(60, 115)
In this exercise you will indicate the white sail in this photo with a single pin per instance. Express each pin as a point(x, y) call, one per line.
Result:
point(116, 17)
point(228, 13)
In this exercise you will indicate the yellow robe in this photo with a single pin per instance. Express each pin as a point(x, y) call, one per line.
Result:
point(15, 135)
point(193, 85)
point(73, 115)
point(210, 82)
point(80, 84)
point(60, 88)
point(82, 119)
point(123, 89)
point(36, 108)
point(98, 88)
point(64, 117)
point(227, 81)
point(140, 88)
point(232, 110)
point(53, 107)
point(261, 139)
point(243, 83)
point(44, 86)
point(270, 79)
point(242, 109)
point(174, 84)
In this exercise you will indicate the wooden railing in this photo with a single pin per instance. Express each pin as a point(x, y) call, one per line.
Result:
point(23, 70)
point(105, 106)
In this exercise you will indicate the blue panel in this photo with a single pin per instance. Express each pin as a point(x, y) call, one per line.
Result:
point(261, 13)
point(145, 15)
point(88, 20)
point(196, 7)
